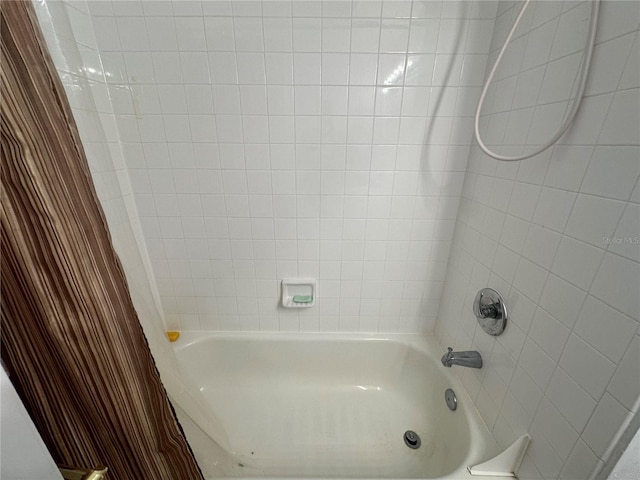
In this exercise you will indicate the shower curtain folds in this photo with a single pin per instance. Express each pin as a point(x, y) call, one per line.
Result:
point(71, 340)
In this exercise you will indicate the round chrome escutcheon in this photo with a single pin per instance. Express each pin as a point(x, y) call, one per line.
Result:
point(451, 399)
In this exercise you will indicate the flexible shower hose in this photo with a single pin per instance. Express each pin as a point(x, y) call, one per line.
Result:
point(584, 73)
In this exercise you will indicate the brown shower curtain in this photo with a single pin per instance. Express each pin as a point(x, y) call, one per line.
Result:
point(71, 340)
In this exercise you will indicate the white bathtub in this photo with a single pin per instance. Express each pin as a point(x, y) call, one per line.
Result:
point(328, 406)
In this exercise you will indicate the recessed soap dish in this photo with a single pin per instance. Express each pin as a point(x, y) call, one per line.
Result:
point(298, 292)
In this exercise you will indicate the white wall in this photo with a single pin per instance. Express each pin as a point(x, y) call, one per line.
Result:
point(279, 139)
point(557, 235)
point(24, 454)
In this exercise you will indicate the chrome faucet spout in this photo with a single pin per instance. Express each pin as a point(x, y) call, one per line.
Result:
point(471, 359)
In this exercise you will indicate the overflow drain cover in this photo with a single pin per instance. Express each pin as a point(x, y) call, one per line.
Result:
point(451, 399)
point(411, 439)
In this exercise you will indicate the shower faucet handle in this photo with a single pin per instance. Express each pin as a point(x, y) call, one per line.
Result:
point(490, 310)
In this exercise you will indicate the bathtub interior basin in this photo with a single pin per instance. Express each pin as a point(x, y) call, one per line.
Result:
point(328, 406)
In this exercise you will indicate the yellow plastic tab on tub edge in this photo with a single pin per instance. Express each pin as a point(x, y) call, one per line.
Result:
point(173, 336)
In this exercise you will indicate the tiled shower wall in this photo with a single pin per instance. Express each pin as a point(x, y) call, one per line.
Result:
point(66, 27)
point(558, 236)
point(277, 139)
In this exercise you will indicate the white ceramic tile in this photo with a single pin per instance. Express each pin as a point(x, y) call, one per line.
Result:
point(558, 432)
point(425, 9)
point(280, 100)
point(279, 67)
point(365, 35)
point(541, 246)
point(335, 69)
point(394, 36)
point(140, 68)
point(199, 99)
point(229, 128)
point(537, 364)
point(479, 35)
point(162, 33)
point(612, 172)
point(621, 18)
point(586, 127)
point(391, 69)
point(550, 334)
point(591, 370)
point(539, 44)
point(223, 67)
point(420, 69)
point(226, 99)
point(424, 36)
point(334, 100)
point(577, 262)
point(624, 115)
point(276, 8)
point(562, 299)
point(304, 8)
point(608, 64)
point(101, 8)
point(605, 329)
point(253, 99)
point(364, 8)
point(593, 219)
point(530, 279)
point(616, 284)
point(580, 463)
point(307, 34)
point(190, 34)
point(626, 238)
point(545, 122)
point(631, 75)
point(571, 31)
point(248, 34)
point(195, 66)
point(251, 69)
point(546, 462)
point(104, 28)
point(166, 66)
point(553, 208)
point(307, 68)
point(219, 33)
point(247, 9)
point(514, 233)
point(336, 34)
point(278, 34)
point(558, 79)
point(362, 69)
point(625, 385)
point(570, 399)
point(133, 34)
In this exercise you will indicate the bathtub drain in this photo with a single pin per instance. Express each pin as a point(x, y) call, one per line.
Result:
point(411, 439)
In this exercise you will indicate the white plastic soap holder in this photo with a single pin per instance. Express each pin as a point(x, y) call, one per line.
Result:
point(298, 292)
